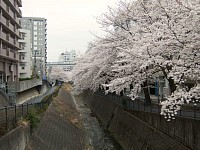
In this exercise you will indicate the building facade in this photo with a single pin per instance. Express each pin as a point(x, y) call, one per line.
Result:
point(9, 35)
point(38, 31)
point(68, 57)
point(25, 55)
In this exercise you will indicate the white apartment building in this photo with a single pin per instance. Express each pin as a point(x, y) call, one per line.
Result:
point(25, 55)
point(68, 58)
point(38, 31)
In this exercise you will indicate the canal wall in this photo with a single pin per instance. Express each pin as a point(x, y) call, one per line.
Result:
point(184, 130)
point(133, 132)
point(31, 93)
point(16, 139)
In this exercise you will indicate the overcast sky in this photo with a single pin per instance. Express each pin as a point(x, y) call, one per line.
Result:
point(69, 22)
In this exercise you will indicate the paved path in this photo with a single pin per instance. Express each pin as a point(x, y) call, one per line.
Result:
point(61, 127)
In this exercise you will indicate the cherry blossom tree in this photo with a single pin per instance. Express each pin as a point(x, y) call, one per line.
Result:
point(168, 33)
point(57, 73)
point(150, 38)
point(93, 69)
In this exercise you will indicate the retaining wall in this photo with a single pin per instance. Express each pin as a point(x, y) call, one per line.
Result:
point(25, 85)
point(184, 130)
point(129, 130)
point(16, 139)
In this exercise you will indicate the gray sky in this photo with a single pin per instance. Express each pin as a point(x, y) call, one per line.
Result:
point(69, 22)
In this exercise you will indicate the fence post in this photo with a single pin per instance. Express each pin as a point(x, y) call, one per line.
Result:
point(15, 114)
point(6, 109)
point(27, 108)
point(22, 110)
point(138, 105)
point(49, 101)
point(195, 115)
point(158, 103)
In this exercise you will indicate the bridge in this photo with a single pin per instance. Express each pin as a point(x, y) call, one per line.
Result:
point(49, 64)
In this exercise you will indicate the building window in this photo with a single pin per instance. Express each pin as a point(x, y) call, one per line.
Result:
point(35, 22)
point(23, 35)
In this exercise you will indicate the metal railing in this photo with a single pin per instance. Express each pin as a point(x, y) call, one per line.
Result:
point(139, 104)
point(10, 115)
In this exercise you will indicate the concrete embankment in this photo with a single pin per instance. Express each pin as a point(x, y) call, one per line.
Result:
point(31, 93)
point(25, 95)
point(131, 132)
point(16, 139)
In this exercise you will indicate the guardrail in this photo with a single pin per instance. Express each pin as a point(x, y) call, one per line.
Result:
point(187, 110)
point(10, 115)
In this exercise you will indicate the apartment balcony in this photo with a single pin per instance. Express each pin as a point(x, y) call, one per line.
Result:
point(21, 41)
point(7, 25)
point(15, 7)
point(19, 3)
point(9, 54)
point(9, 13)
point(6, 38)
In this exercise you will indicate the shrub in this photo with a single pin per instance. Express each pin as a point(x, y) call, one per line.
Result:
point(34, 119)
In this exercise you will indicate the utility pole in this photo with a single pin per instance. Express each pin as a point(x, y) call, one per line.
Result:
point(34, 63)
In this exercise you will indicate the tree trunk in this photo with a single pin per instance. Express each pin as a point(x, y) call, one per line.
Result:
point(172, 85)
point(170, 80)
point(146, 93)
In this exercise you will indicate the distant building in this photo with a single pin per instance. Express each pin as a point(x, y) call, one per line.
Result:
point(38, 29)
point(9, 35)
point(69, 58)
point(25, 55)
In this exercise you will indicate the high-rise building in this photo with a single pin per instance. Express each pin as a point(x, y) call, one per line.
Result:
point(38, 30)
point(9, 34)
point(68, 58)
point(25, 55)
